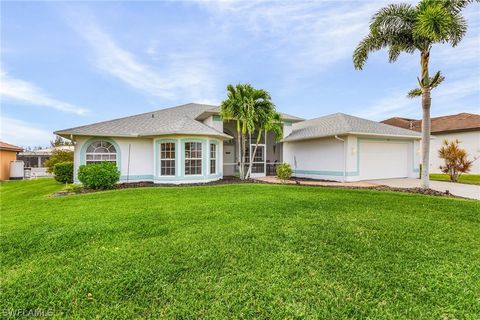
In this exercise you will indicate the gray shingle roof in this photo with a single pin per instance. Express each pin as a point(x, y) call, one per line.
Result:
point(182, 119)
point(176, 120)
point(216, 110)
point(341, 124)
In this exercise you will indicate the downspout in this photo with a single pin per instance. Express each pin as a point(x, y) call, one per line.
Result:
point(344, 157)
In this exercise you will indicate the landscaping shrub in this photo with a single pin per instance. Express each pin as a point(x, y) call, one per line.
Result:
point(284, 171)
point(58, 156)
point(75, 188)
point(455, 159)
point(102, 175)
point(63, 172)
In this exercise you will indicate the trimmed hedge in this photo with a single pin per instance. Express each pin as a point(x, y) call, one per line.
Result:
point(103, 175)
point(284, 171)
point(63, 172)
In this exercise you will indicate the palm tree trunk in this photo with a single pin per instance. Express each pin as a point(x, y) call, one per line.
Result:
point(252, 155)
point(240, 154)
point(242, 159)
point(426, 125)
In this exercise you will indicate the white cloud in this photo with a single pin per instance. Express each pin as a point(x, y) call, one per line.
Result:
point(180, 75)
point(22, 133)
point(26, 92)
point(446, 98)
point(307, 35)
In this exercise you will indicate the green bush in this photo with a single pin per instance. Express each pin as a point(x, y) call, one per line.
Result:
point(63, 172)
point(284, 171)
point(102, 175)
point(58, 156)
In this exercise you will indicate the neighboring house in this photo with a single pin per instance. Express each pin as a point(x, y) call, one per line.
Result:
point(35, 160)
point(463, 126)
point(191, 144)
point(8, 152)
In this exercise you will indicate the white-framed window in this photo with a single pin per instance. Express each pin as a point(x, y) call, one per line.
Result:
point(193, 158)
point(99, 151)
point(167, 159)
point(213, 158)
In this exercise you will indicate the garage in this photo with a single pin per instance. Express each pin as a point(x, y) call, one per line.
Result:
point(383, 160)
point(346, 148)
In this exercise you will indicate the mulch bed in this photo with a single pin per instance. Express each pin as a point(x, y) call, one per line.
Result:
point(234, 180)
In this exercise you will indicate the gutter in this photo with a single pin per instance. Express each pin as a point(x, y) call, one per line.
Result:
point(344, 158)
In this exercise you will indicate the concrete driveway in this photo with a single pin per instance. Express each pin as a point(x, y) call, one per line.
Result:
point(457, 189)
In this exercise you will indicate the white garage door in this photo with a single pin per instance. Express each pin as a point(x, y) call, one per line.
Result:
point(383, 160)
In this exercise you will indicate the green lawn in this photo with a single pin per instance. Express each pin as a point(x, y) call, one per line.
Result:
point(239, 251)
point(464, 178)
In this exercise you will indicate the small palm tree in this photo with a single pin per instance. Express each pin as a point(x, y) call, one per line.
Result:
point(406, 28)
point(252, 109)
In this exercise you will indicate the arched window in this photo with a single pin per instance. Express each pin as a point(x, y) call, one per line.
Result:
point(99, 151)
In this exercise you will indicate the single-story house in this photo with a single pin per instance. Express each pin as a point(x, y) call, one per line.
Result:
point(34, 160)
point(8, 153)
point(191, 143)
point(463, 126)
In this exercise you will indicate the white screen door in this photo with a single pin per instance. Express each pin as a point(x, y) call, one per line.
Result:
point(258, 163)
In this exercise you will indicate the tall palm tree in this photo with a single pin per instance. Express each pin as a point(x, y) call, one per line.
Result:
point(266, 119)
point(232, 108)
point(406, 28)
point(249, 108)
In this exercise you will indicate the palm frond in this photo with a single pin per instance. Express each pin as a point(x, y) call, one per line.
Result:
point(436, 80)
point(369, 44)
point(392, 19)
point(433, 22)
point(455, 6)
point(458, 29)
point(390, 27)
point(414, 93)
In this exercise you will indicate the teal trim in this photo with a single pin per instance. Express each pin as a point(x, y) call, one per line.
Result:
point(145, 177)
point(83, 151)
point(149, 177)
point(287, 123)
point(180, 161)
point(216, 117)
point(156, 158)
point(217, 159)
point(204, 159)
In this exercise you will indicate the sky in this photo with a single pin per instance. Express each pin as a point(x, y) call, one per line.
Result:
point(66, 64)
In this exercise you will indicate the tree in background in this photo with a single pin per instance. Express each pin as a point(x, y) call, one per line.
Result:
point(252, 110)
point(456, 159)
point(402, 27)
point(59, 142)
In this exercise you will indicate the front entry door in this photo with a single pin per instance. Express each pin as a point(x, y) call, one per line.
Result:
point(229, 160)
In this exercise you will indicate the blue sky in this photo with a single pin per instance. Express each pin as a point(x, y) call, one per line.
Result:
point(67, 64)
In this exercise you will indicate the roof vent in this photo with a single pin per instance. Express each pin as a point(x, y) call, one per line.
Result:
point(153, 115)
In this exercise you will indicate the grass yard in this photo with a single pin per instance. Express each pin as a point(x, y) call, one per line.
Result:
point(464, 178)
point(239, 251)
